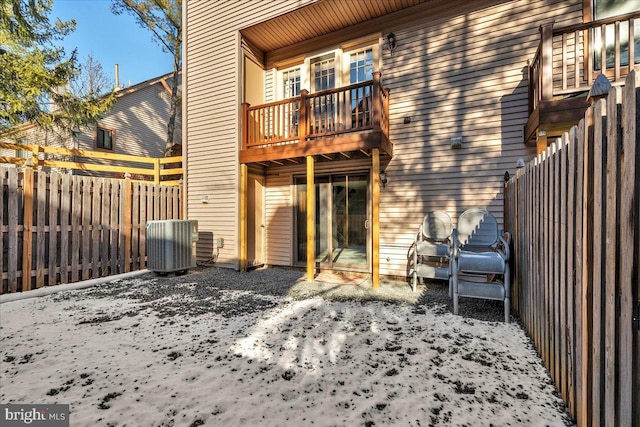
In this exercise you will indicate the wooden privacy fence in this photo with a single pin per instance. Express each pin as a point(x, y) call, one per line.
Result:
point(574, 214)
point(166, 170)
point(60, 228)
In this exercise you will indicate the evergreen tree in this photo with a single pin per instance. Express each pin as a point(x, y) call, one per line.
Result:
point(35, 73)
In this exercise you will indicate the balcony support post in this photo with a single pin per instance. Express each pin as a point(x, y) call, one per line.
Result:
point(311, 220)
point(303, 121)
point(245, 125)
point(377, 104)
point(546, 62)
point(243, 218)
point(375, 220)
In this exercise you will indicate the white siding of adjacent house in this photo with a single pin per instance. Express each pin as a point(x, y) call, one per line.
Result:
point(452, 75)
point(212, 63)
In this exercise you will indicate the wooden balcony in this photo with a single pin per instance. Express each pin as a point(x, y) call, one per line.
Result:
point(346, 122)
point(567, 62)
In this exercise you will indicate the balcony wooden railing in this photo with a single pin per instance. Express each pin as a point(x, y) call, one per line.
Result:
point(568, 59)
point(356, 108)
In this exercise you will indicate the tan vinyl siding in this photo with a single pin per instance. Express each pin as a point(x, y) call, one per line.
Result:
point(452, 74)
point(212, 61)
point(270, 85)
point(279, 197)
point(458, 76)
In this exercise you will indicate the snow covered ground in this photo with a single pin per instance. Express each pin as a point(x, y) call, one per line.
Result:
point(221, 348)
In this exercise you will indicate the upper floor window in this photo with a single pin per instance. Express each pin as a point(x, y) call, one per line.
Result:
point(291, 82)
point(352, 63)
point(104, 138)
point(323, 72)
point(361, 66)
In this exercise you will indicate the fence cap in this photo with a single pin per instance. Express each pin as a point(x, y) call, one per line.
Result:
point(601, 87)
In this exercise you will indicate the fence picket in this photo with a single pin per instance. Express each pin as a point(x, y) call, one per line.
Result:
point(570, 201)
point(12, 223)
point(614, 141)
point(122, 220)
point(599, 150)
point(143, 225)
point(96, 218)
point(41, 199)
point(3, 199)
point(65, 203)
point(135, 230)
point(561, 278)
point(105, 227)
point(85, 254)
point(114, 218)
point(54, 209)
point(629, 183)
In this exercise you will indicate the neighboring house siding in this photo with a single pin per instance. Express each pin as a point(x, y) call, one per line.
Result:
point(138, 118)
point(140, 123)
point(212, 53)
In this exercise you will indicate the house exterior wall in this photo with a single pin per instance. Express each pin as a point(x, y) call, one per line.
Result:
point(461, 75)
point(212, 60)
point(452, 74)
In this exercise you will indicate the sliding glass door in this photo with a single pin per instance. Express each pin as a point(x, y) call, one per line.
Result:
point(341, 221)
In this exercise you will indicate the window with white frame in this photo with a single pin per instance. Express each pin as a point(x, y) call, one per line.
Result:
point(353, 63)
point(291, 82)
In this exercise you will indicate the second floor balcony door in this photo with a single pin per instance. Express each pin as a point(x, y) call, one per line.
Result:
point(323, 77)
point(291, 89)
point(361, 70)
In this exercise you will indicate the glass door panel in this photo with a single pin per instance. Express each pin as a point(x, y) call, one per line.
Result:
point(323, 221)
point(349, 211)
point(341, 221)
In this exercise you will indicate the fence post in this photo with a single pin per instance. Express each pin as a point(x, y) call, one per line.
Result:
point(546, 62)
point(27, 221)
point(156, 171)
point(541, 142)
point(127, 220)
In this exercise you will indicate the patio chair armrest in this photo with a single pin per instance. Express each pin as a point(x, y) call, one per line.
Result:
point(505, 242)
point(454, 248)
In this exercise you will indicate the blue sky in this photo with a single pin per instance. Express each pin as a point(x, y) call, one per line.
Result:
point(112, 39)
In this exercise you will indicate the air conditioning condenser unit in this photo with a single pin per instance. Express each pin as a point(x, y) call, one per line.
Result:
point(171, 245)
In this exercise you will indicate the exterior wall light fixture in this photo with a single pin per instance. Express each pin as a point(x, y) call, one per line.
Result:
point(391, 39)
point(383, 179)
